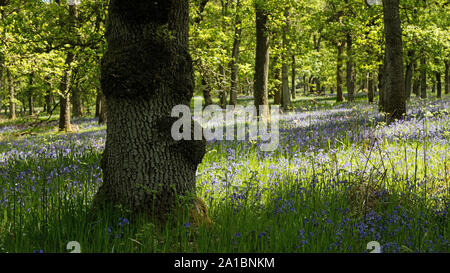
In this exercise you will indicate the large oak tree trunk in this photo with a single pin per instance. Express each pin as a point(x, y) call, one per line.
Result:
point(395, 101)
point(261, 62)
point(146, 71)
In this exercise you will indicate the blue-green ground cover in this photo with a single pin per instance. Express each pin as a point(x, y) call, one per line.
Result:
point(340, 179)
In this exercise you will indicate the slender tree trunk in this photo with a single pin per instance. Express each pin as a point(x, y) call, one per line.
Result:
point(261, 62)
point(12, 95)
point(381, 86)
point(285, 92)
point(416, 87)
point(144, 76)
point(206, 92)
point(340, 94)
point(395, 83)
point(371, 91)
point(223, 91)
point(98, 103)
point(2, 63)
point(235, 56)
point(350, 69)
point(30, 95)
point(438, 85)
point(277, 82)
point(423, 77)
point(305, 85)
point(447, 78)
point(64, 98)
point(48, 101)
point(102, 117)
point(293, 87)
point(409, 74)
point(76, 102)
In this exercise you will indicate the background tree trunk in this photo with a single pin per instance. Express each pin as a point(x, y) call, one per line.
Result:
point(30, 95)
point(381, 86)
point(102, 115)
point(144, 75)
point(447, 78)
point(285, 92)
point(12, 97)
point(423, 77)
point(371, 91)
point(438, 85)
point(350, 69)
point(235, 56)
point(409, 74)
point(64, 89)
point(76, 101)
point(261, 62)
point(293, 87)
point(340, 51)
point(97, 103)
point(395, 83)
point(206, 92)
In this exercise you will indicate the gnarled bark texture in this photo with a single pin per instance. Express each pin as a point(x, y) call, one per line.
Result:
point(146, 71)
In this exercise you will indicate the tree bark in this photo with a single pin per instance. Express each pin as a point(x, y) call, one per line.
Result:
point(146, 71)
point(261, 62)
point(102, 117)
point(340, 51)
point(2, 63)
point(381, 86)
point(98, 103)
point(371, 91)
point(293, 75)
point(12, 95)
point(447, 78)
point(64, 88)
point(278, 84)
point(76, 102)
point(206, 92)
point(409, 74)
point(285, 92)
point(438, 85)
point(64, 97)
point(235, 56)
point(395, 83)
point(350, 69)
point(30, 95)
point(423, 77)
